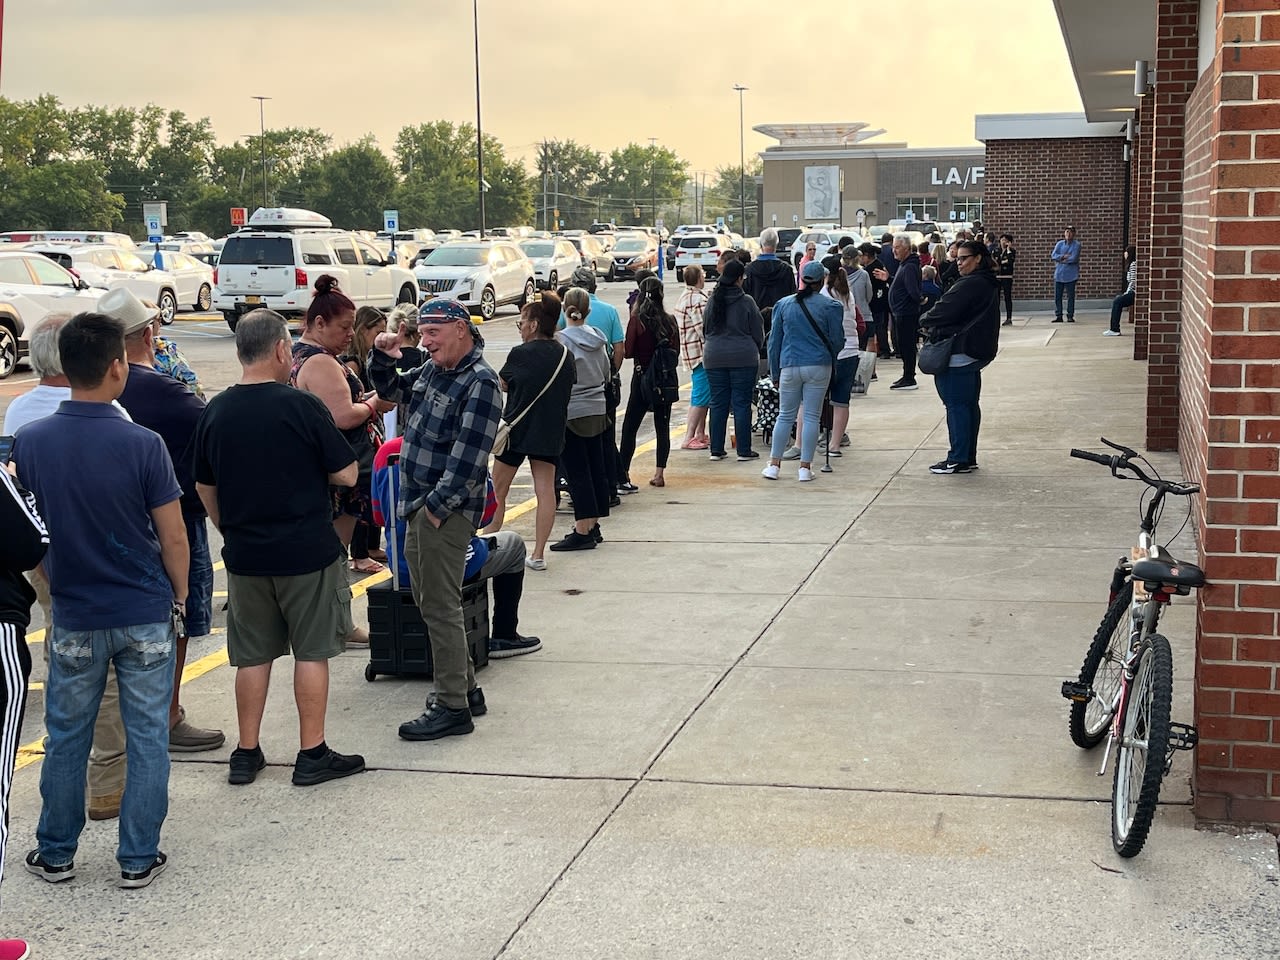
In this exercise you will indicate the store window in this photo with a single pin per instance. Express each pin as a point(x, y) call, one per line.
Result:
point(921, 208)
point(968, 209)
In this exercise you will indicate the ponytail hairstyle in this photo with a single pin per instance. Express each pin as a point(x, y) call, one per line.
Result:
point(837, 281)
point(327, 301)
point(649, 309)
point(577, 304)
point(545, 312)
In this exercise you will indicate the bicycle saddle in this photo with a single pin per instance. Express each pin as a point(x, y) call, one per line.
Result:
point(1172, 571)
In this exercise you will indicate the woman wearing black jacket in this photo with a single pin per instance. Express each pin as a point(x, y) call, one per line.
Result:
point(970, 311)
point(734, 332)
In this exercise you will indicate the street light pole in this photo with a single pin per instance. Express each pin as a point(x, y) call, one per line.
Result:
point(262, 143)
point(475, 25)
point(742, 160)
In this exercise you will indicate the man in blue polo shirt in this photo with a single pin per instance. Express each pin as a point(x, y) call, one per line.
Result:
point(117, 567)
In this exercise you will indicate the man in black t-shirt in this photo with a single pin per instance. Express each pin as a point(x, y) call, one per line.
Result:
point(265, 457)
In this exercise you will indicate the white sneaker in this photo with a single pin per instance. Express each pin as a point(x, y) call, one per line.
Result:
point(804, 475)
point(1111, 333)
point(770, 472)
point(535, 563)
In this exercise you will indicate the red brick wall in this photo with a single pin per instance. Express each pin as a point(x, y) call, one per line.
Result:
point(1175, 78)
point(1034, 188)
point(1230, 402)
point(1142, 224)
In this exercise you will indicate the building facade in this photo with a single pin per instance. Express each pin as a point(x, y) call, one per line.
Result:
point(1046, 172)
point(828, 172)
point(1200, 82)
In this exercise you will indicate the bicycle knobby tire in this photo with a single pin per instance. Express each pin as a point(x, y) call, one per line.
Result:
point(1139, 771)
point(1103, 664)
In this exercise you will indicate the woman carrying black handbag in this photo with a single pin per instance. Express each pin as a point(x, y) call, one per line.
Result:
point(963, 331)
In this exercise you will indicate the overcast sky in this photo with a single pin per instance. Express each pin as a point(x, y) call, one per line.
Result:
point(588, 70)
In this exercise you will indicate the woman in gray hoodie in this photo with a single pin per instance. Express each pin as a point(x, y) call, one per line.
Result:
point(584, 449)
point(734, 332)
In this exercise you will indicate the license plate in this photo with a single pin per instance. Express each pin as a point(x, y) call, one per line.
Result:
point(252, 299)
point(697, 256)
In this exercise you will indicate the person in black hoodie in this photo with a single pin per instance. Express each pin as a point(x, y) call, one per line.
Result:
point(869, 256)
point(969, 311)
point(22, 547)
point(768, 279)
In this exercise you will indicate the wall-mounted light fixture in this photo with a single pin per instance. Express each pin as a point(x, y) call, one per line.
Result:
point(1141, 78)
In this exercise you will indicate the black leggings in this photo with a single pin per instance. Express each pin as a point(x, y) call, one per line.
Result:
point(1006, 291)
point(637, 407)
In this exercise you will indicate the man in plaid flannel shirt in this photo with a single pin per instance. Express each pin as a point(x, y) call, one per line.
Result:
point(454, 405)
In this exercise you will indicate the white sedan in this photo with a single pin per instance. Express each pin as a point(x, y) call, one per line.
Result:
point(32, 287)
point(553, 260)
point(192, 280)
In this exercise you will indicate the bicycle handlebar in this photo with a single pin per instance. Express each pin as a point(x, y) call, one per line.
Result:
point(1123, 462)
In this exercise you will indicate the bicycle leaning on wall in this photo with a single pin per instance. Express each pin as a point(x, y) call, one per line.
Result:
point(1126, 683)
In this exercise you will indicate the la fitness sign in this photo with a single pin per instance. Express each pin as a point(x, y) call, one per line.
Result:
point(970, 178)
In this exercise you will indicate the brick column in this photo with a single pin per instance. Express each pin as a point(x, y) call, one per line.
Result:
point(1230, 401)
point(1141, 216)
point(1175, 78)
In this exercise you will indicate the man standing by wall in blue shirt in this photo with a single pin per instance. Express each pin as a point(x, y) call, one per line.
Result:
point(117, 567)
point(1066, 271)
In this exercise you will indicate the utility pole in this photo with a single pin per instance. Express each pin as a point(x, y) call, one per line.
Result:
point(653, 180)
point(262, 144)
point(475, 27)
point(544, 184)
point(742, 160)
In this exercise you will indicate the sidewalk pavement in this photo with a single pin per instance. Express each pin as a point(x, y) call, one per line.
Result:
point(769, 720)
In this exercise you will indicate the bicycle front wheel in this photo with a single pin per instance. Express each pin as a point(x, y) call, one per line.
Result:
point(1144, 744)
point(1102, 670)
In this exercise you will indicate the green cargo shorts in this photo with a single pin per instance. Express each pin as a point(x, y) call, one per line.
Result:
point(308, 615)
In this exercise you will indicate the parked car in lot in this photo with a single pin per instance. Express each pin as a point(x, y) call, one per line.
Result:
point(482, 274)
point(274, 261)
point(108, 267)
point(632, 252)
point(786, 237)
point(193, 280)
point(592, 252)
point(553, 260)
point(825, 239)
point(700, 249)
point(31, 287)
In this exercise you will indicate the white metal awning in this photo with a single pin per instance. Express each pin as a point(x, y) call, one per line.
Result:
point(1104, 38)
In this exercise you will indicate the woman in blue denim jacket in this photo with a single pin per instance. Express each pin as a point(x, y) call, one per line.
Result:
point(800, 360)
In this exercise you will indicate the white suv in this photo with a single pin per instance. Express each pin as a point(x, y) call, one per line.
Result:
point(481, 274)
point(700, 249)
point(107, 266)
point(275, 260)
point(553, 260)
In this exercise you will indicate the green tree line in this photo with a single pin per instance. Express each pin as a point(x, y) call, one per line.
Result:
point(93, 167)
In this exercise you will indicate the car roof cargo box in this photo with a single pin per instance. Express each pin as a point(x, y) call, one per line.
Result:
point(288, 218)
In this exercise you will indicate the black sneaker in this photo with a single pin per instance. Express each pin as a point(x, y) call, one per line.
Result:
point(595, 534)
point(36, 866)
point(573, 540)
point(439, 721)
point(1071, 319)
point(945, 466)
point(500, 648)
point(245, 765)
point(137, 879)
point(615, 501)
point(718, 456)
point(626, 486)
point(904, 384)
point(332, 766)
point(749, 455)
point(475, 702)
point(973, 466)
point(1056, 320)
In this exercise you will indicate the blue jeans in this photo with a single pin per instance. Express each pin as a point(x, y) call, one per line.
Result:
point(143, 658)
point(798, 385)
point(960, 388)
point(731, 388)
point(1117, 307)
point(199, 579)
point(1069, 288)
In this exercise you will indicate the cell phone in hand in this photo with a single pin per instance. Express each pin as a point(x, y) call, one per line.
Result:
point(6, 450)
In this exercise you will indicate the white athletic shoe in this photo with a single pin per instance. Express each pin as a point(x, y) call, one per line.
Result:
point(804, 475)
point(770, 472)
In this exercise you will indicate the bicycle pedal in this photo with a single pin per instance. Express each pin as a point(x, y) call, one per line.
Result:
point(1077, 692)
point(1183, 736)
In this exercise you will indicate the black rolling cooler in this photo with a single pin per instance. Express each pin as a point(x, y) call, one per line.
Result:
point(399, 644)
